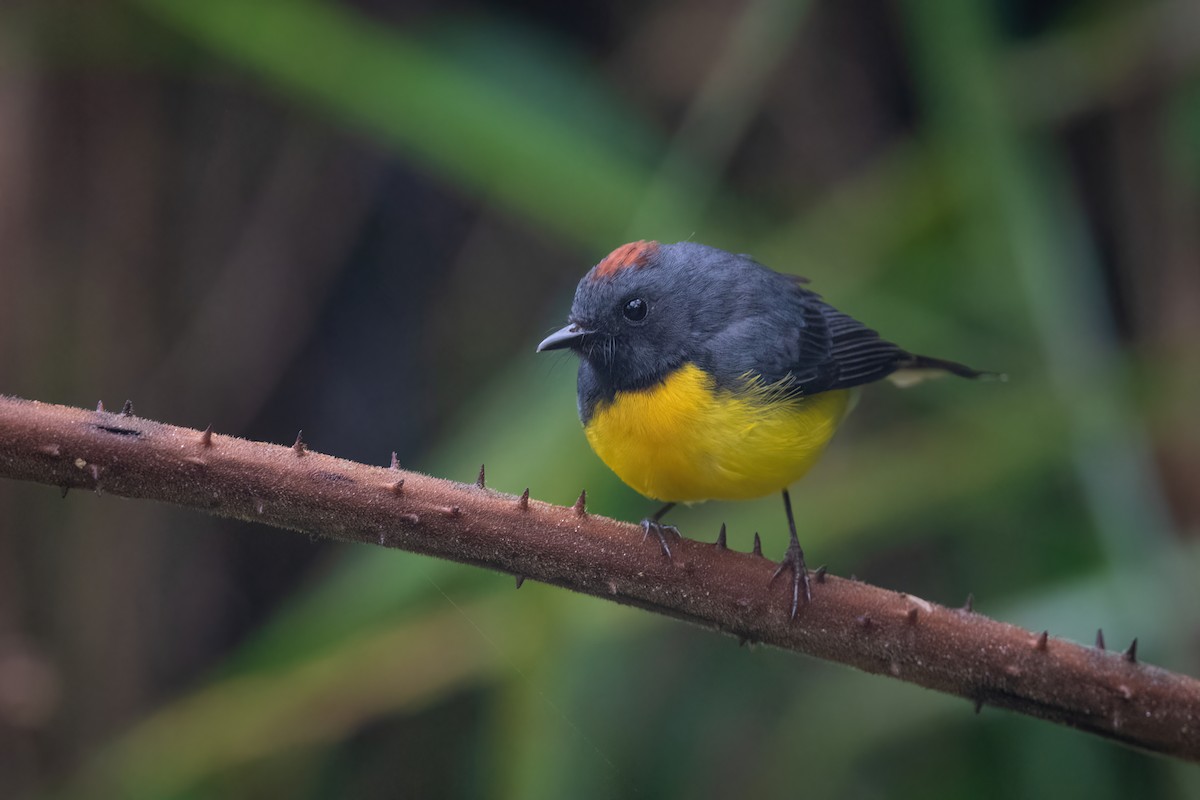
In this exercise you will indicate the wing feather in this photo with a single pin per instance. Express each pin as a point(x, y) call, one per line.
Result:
point(791, 340)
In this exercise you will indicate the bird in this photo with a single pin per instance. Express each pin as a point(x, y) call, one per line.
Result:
point(705, 375)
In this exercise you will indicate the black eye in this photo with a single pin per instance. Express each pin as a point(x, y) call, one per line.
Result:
point(635, 310)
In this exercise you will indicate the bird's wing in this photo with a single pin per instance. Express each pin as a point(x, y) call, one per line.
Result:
point(788, 338)
point(858, 353)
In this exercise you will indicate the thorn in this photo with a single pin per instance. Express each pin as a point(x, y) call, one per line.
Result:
point(52, 450)
point(520, 580)
point(299, 447)
point(382, 538)
point(479, 482)
point(259, 505)
point(395, 461)
point(127, 409)
point(1042, 644)
point(581, 504)
point(1100, 639)
point(397, 487)
point(411, 519)
point(100, 406)
point(912, 616)
point(757, 545)
point(978, 705)
point(523, 500)
point(820, 573)
point(1131, 653)
point(969, 606)
point(452, 512)
point(65, 489)
point(206, 437)
point(1125, 692)
point(721, 538)
point(95, 470)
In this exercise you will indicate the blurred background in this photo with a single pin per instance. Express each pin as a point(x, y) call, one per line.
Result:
point(358, 218)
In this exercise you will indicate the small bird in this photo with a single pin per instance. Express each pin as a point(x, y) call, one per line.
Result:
point(704, 375)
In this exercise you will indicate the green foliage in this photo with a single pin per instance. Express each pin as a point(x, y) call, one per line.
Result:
point(1037, 494)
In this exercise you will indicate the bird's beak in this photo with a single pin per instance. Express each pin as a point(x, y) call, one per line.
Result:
point(566, 337)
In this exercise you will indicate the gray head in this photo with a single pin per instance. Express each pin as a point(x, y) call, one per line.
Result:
point(647, 308)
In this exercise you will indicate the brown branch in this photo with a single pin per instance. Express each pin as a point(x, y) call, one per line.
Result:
point(876, 630)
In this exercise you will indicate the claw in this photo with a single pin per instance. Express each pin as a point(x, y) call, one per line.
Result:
point(793, 559)
point(653, 524)
point(660, 531)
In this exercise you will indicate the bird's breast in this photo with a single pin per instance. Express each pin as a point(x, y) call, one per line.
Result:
point(685, 439)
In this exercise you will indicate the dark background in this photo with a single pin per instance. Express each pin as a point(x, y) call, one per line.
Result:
point(359, 218)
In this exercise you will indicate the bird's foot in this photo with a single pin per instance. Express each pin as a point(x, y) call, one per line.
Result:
point(793, 559)
point(652, 525)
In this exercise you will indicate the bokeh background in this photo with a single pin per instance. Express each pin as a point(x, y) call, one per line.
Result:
point(359, 217)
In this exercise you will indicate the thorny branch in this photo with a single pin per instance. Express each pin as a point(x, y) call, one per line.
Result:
point(950, 650)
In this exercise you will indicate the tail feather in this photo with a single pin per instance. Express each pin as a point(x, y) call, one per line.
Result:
point(914, 369)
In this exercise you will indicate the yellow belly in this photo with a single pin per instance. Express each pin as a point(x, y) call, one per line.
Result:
point(685, 441)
